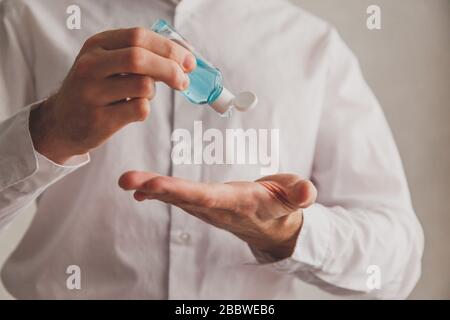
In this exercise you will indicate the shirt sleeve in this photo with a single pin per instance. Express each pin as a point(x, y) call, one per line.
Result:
point(362, 236)
point(24, 173)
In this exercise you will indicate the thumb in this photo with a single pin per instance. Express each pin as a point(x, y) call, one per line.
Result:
point(133, 180)
point(302, 193)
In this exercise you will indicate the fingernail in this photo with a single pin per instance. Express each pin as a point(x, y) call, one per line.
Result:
point(189, 62)
point(185, 83)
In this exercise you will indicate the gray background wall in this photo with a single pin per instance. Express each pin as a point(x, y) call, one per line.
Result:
point(407, 64)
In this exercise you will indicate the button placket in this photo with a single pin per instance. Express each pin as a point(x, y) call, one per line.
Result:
point(182, 282)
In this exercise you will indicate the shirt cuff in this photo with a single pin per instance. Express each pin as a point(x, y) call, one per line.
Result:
point(312, 244)
point(51, 171)
point(22, 162)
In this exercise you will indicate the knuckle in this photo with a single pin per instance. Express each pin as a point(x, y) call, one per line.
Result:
point(171, 49)
point(176, 76)
point(142, 109)
point(84, 65)
point(135, 59)
point(156, 185)
point(144, 86)
point(208, 202)
point(91, 42)
point(137, 36)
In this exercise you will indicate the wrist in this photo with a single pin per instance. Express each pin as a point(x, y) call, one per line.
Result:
point(286, 233)
point(42, 126)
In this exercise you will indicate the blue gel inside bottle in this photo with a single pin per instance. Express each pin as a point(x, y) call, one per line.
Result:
point(206, 81)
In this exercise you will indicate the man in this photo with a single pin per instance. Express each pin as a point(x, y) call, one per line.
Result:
point(188, 235)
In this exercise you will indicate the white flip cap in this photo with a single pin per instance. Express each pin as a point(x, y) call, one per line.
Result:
point(244, 101)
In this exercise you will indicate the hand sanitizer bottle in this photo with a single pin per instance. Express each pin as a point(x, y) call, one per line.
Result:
point(206, 81)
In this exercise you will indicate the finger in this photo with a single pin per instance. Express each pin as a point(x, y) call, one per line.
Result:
point(146, 39)
point(122, 113)
point(221, 218)
point(215, 216)
point(293, 194)
point(132, 180)
point(135, 60)
point(117, 88)
point(175, 191)
point(140, 196)
point(303, 194)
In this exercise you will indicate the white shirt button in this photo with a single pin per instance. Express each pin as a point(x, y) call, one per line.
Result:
point(184, 237)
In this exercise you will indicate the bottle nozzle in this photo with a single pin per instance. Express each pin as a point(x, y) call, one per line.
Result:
point(243, 102)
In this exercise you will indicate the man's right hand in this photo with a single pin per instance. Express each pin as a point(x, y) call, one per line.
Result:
point(109, 86)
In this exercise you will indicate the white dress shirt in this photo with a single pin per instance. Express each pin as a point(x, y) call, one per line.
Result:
point(310, 87)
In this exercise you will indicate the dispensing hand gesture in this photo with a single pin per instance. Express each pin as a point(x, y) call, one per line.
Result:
point(109, 86)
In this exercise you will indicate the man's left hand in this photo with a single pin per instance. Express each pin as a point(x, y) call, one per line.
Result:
point(267, 213)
